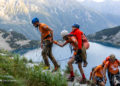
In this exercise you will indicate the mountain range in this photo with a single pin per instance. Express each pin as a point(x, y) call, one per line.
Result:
point(16, 15)
point(110, 35)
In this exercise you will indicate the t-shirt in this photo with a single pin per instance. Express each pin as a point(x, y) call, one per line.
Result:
point(112, 66)
point(99, 71)
point(43, 29)
point(78, 34)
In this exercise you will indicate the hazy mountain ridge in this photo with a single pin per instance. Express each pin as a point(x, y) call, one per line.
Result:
point(17, 14)
point(105, 6)
point(110, 35)
point(108, 8)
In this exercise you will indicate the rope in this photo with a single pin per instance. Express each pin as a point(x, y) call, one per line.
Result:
point(60, 59)
point(57, 60)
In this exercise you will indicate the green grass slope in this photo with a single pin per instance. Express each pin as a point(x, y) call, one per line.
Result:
point(15, 71)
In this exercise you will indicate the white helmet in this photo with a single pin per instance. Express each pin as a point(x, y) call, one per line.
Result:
point(64, 33)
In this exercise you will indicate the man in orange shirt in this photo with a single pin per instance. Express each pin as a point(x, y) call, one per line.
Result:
point(73, 41)
point(46, 42)
point(99, 75)
point(112, 66)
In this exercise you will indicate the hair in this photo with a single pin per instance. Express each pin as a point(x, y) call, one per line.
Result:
point(93, 68)
point(112, 56)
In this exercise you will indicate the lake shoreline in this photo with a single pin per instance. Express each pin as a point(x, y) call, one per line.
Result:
point(25, 50)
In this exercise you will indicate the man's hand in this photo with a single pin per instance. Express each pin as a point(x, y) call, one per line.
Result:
point(55, 42)
point(51, 40)
point(41, 45)
point(105, 80)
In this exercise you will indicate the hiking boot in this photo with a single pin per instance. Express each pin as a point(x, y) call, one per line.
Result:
point(85, 64)
point(71, 78)
point(46, 68)
point(83, 81)
point(55, 69)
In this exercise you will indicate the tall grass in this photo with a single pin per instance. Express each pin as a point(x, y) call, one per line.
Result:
point(14, 71)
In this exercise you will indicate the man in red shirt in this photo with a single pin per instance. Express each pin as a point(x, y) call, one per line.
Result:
point(76, 31)
point(74, 43)
point(80, 37)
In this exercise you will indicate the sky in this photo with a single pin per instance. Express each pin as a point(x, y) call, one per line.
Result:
point(98, 0)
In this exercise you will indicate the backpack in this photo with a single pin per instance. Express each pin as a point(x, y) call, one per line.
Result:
point(85, 41)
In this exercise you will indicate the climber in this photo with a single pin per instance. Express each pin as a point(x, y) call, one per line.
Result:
point(46, 43)
point(73, 41)
point(91, 73)
point(99, 76)
point(83, 43)
point(112, 65)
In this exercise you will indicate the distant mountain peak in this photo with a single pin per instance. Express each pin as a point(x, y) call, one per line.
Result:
point(10, 8)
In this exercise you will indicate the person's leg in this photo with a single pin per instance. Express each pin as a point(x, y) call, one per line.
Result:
point(110, 78)
point(44, 55)
point(70, 62)
point(84, 56)
point(50, 55)
point(81, 70)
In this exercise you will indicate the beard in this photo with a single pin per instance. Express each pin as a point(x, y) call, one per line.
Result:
point(36, 26)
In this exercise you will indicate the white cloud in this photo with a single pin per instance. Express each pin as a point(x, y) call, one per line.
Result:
point(81, 0)
point(116, 0)
point(99, 0)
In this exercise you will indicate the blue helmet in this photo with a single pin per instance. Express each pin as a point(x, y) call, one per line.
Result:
point(34, 20)
point(76, 25)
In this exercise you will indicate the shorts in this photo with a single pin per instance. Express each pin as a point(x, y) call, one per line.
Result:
point(84, 54)
point(98, 80)
point(78, 59)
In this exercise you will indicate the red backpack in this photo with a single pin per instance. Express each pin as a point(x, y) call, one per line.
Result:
point(85, 41)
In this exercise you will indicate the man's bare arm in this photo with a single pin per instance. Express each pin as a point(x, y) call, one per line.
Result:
point(90, 76)
point(61, 45)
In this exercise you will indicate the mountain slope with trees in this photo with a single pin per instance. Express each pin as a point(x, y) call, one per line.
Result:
point(15, 41)
point(110, 35)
